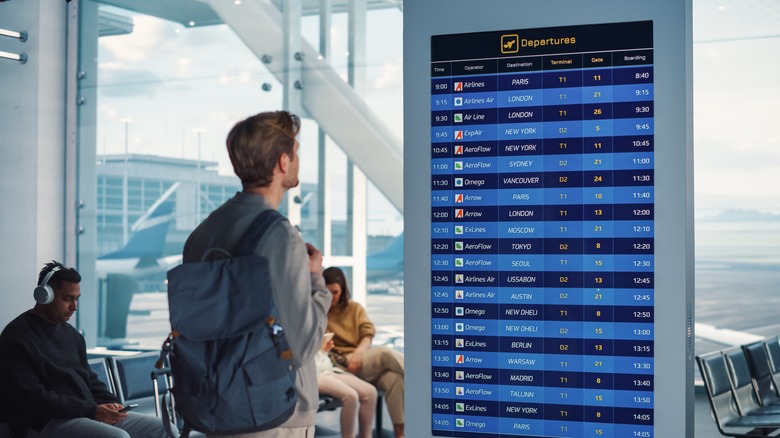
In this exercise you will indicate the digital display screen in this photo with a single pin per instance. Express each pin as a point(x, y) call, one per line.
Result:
point(542, 239)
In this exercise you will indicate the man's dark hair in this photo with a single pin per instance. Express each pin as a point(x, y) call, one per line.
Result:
point(64, 274)
point(255, 144)
point(334, 275)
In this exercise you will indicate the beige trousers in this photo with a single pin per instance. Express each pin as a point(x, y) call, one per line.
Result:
point(383, 367)
point(358, 401)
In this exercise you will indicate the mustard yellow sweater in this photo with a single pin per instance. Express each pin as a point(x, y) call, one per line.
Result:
point(349, 326)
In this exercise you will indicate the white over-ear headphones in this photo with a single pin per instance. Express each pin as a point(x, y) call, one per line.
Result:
point(44, 294)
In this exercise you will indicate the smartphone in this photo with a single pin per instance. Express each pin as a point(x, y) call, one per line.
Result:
point(327, 338)
point(128, 407)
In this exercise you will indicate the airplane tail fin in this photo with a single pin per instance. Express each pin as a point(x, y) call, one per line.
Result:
point(148, 241)
point(149, 231)
point(388, 262)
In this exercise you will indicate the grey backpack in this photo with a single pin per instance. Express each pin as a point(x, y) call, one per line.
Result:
point(230, 361)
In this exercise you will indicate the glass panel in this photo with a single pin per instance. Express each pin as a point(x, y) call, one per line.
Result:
point(167, 96)
point(736, 147)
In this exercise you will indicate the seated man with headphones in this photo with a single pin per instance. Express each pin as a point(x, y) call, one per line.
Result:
point(46, 383)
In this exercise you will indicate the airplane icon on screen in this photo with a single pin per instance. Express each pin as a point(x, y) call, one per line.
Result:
point(509, 43)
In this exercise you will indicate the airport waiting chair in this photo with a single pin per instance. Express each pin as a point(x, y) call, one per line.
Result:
point(723, 404)
point(133, 379)
point(742, 384)
point(758, 361)
point(99, 366)
point(773, 352)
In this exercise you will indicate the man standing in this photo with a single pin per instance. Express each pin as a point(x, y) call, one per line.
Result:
point(264, 154)
point(47, 383)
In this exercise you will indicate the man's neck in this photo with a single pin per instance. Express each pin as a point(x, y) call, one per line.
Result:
point(38, 311)
point(272, 193)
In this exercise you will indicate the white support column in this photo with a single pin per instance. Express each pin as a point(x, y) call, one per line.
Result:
point(292, 85)
point(324, 235)
point(292, 50)
point(356, 219)
point(356, 179)
point(86, 97)
point(33, 178)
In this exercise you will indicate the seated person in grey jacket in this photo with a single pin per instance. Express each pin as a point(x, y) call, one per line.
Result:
point(47, 384)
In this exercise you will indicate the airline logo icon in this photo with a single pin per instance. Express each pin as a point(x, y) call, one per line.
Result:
point(459, 422)
point(457, 118)
point(460, 375)
point(459, 149)
point(459, 358)
point(459, 213)
point(459, 165)
point(458, 229)
point(458, 246)
point(458, 182)
point(459, 407)
point(458, 135)
point(459, 311)
point(459, 390)
point(459, 278)
point(458, 101)
point(459, 198)
point(458, 86)
point(458, 294)
point(459, 343)
point(459, 262)
point(510, 43)
point(458, 326)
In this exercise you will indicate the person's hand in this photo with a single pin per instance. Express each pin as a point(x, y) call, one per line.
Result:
point(315, 259)
point(327, 346)
point(355, 363)
point(109, 413)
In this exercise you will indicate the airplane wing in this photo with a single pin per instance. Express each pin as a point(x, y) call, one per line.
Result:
point(723, 336)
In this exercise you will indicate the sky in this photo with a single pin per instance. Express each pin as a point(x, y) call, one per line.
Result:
point(173, 82)
point(175, 86)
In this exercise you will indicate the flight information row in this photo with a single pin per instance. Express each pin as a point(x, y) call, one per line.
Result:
point(547, 245)
point(537, 163)
point(543, 130)
point(569, 146)
point(543, 97)
point(572, 279)
point(627, 340)
point(537, 312)
point(470, 427)
point(526, 213)
point(482, 175)
point(540, 262)
point(517, 196)
point(488, 116)
point(506, 339)
point(514, 229)
point(538, 295)
point(568, 78)
point(590, 372)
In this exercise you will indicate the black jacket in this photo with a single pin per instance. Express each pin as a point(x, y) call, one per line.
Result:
point(44, 373)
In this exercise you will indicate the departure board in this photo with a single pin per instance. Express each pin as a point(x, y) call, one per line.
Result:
point(542, 238)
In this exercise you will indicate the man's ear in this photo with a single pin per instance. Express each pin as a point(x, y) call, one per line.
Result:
point(283, 163)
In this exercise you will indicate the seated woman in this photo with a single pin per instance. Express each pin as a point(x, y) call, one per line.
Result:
point(353, 331)
point(358, 398)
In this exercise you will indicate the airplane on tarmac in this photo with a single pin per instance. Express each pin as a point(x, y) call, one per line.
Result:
point(142, 255)
point(387, 264)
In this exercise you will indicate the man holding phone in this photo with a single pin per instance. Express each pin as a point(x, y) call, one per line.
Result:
point(47, 383)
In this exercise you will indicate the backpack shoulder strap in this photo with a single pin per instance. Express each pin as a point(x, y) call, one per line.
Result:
point(257, 230)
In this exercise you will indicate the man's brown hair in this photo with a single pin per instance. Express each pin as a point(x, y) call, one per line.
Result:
point(255, 144)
